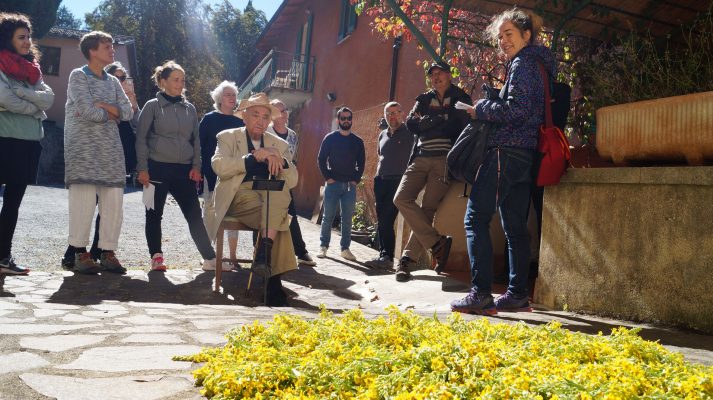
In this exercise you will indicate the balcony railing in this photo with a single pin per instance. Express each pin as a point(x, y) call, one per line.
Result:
point(280, 70)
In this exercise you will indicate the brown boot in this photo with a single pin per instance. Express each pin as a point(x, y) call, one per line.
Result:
point(440, 252)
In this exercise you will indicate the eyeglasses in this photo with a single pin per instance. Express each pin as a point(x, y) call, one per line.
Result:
point(349, 118)
point(122, 78)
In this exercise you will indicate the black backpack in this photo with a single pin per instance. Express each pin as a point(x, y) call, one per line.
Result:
point(468, 151)
point(561, 93)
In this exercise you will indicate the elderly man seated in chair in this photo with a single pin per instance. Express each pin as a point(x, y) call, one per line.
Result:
point(241, 155)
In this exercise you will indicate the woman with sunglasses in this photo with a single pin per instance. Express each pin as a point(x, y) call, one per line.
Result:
point(23, 100)
point(127, 129)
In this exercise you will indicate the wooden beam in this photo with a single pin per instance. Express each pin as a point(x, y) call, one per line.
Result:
point(413, 29)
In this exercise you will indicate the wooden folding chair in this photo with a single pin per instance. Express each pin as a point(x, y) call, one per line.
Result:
point(231, 224)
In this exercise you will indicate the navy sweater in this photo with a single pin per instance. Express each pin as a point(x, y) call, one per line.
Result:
point(342, 157)
point(523, 110)
point(212, 124)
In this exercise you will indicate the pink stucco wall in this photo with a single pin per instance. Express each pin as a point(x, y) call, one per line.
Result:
point(70, 59)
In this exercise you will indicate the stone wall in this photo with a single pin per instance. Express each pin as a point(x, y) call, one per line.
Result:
point(632, 243)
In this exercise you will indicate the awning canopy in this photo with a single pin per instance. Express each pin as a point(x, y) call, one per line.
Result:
point(602, 19)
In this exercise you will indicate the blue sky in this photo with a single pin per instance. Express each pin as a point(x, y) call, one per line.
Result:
point(81, 7)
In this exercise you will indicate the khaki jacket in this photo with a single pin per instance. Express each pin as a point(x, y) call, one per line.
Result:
point(229, 166)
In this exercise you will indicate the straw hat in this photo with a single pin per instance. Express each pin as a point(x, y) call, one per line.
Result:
point(257, 100)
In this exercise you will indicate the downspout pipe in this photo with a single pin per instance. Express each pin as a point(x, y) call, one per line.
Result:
point(394, 67)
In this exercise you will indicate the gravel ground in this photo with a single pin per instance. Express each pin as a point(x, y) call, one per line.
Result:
point(41, 234)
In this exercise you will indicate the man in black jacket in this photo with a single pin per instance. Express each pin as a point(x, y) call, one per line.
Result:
point(436, 123)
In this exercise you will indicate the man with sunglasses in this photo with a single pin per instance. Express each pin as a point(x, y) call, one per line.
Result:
point(341, 160)
point(436, 123)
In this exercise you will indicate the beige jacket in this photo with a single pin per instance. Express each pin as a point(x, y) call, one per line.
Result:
point(229, 166)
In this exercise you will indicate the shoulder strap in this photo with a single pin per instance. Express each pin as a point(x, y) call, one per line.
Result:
point(548, 98)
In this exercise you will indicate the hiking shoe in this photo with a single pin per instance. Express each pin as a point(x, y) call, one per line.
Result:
point(95, 253)
point(9, 267)
point(510, 302)
point(305, 259)
point(403, 270)
point(382, 262)
point(440, 251)
point(157, 263)
point(209, 265)
point(322, 253)
point(347, 255)
point(84, 264)
point(109, 263)
point(475, 303)
point(68, 262)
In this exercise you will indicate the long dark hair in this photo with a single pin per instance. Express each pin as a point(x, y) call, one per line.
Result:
point(9, 23)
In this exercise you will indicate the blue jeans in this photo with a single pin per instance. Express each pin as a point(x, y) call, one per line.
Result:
point(342, 194)
point(503, 181)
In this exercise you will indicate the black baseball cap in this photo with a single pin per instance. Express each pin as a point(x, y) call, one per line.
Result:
point(440, 65)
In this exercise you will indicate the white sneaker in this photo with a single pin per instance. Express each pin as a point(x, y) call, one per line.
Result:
point(209, 265)
point(157, 263)
point(306, 260)
point(322, 252)
point(347, 255)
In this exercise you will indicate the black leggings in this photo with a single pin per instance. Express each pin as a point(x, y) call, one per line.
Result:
point(11, 199)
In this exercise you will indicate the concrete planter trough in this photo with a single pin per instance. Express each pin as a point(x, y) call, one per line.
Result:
point(669, 129)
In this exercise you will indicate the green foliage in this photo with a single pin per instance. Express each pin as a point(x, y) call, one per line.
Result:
point(65, 19)
point(42, 13)
point(236, 34)
point(360, 219)
point(641, 68)
point(210, 45)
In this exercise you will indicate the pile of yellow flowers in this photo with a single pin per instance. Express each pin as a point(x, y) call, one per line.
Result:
point(406, 356)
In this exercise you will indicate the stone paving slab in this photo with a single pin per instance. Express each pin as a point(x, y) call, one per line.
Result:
point(15, 362)
point(141, 387)
point(60, 342)
point(132, 358)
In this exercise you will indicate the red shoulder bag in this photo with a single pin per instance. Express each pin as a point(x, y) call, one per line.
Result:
point(552, 144)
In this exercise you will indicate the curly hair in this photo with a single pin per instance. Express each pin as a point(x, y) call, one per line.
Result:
point(523, 21)
point(9, 23)
point(217, 93)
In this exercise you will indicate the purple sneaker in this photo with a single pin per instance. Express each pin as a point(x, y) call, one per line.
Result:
point(510, 302)
point(475, 303)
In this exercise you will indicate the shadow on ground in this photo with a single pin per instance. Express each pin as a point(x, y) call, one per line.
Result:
point(190, 288)
point(662, 335)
